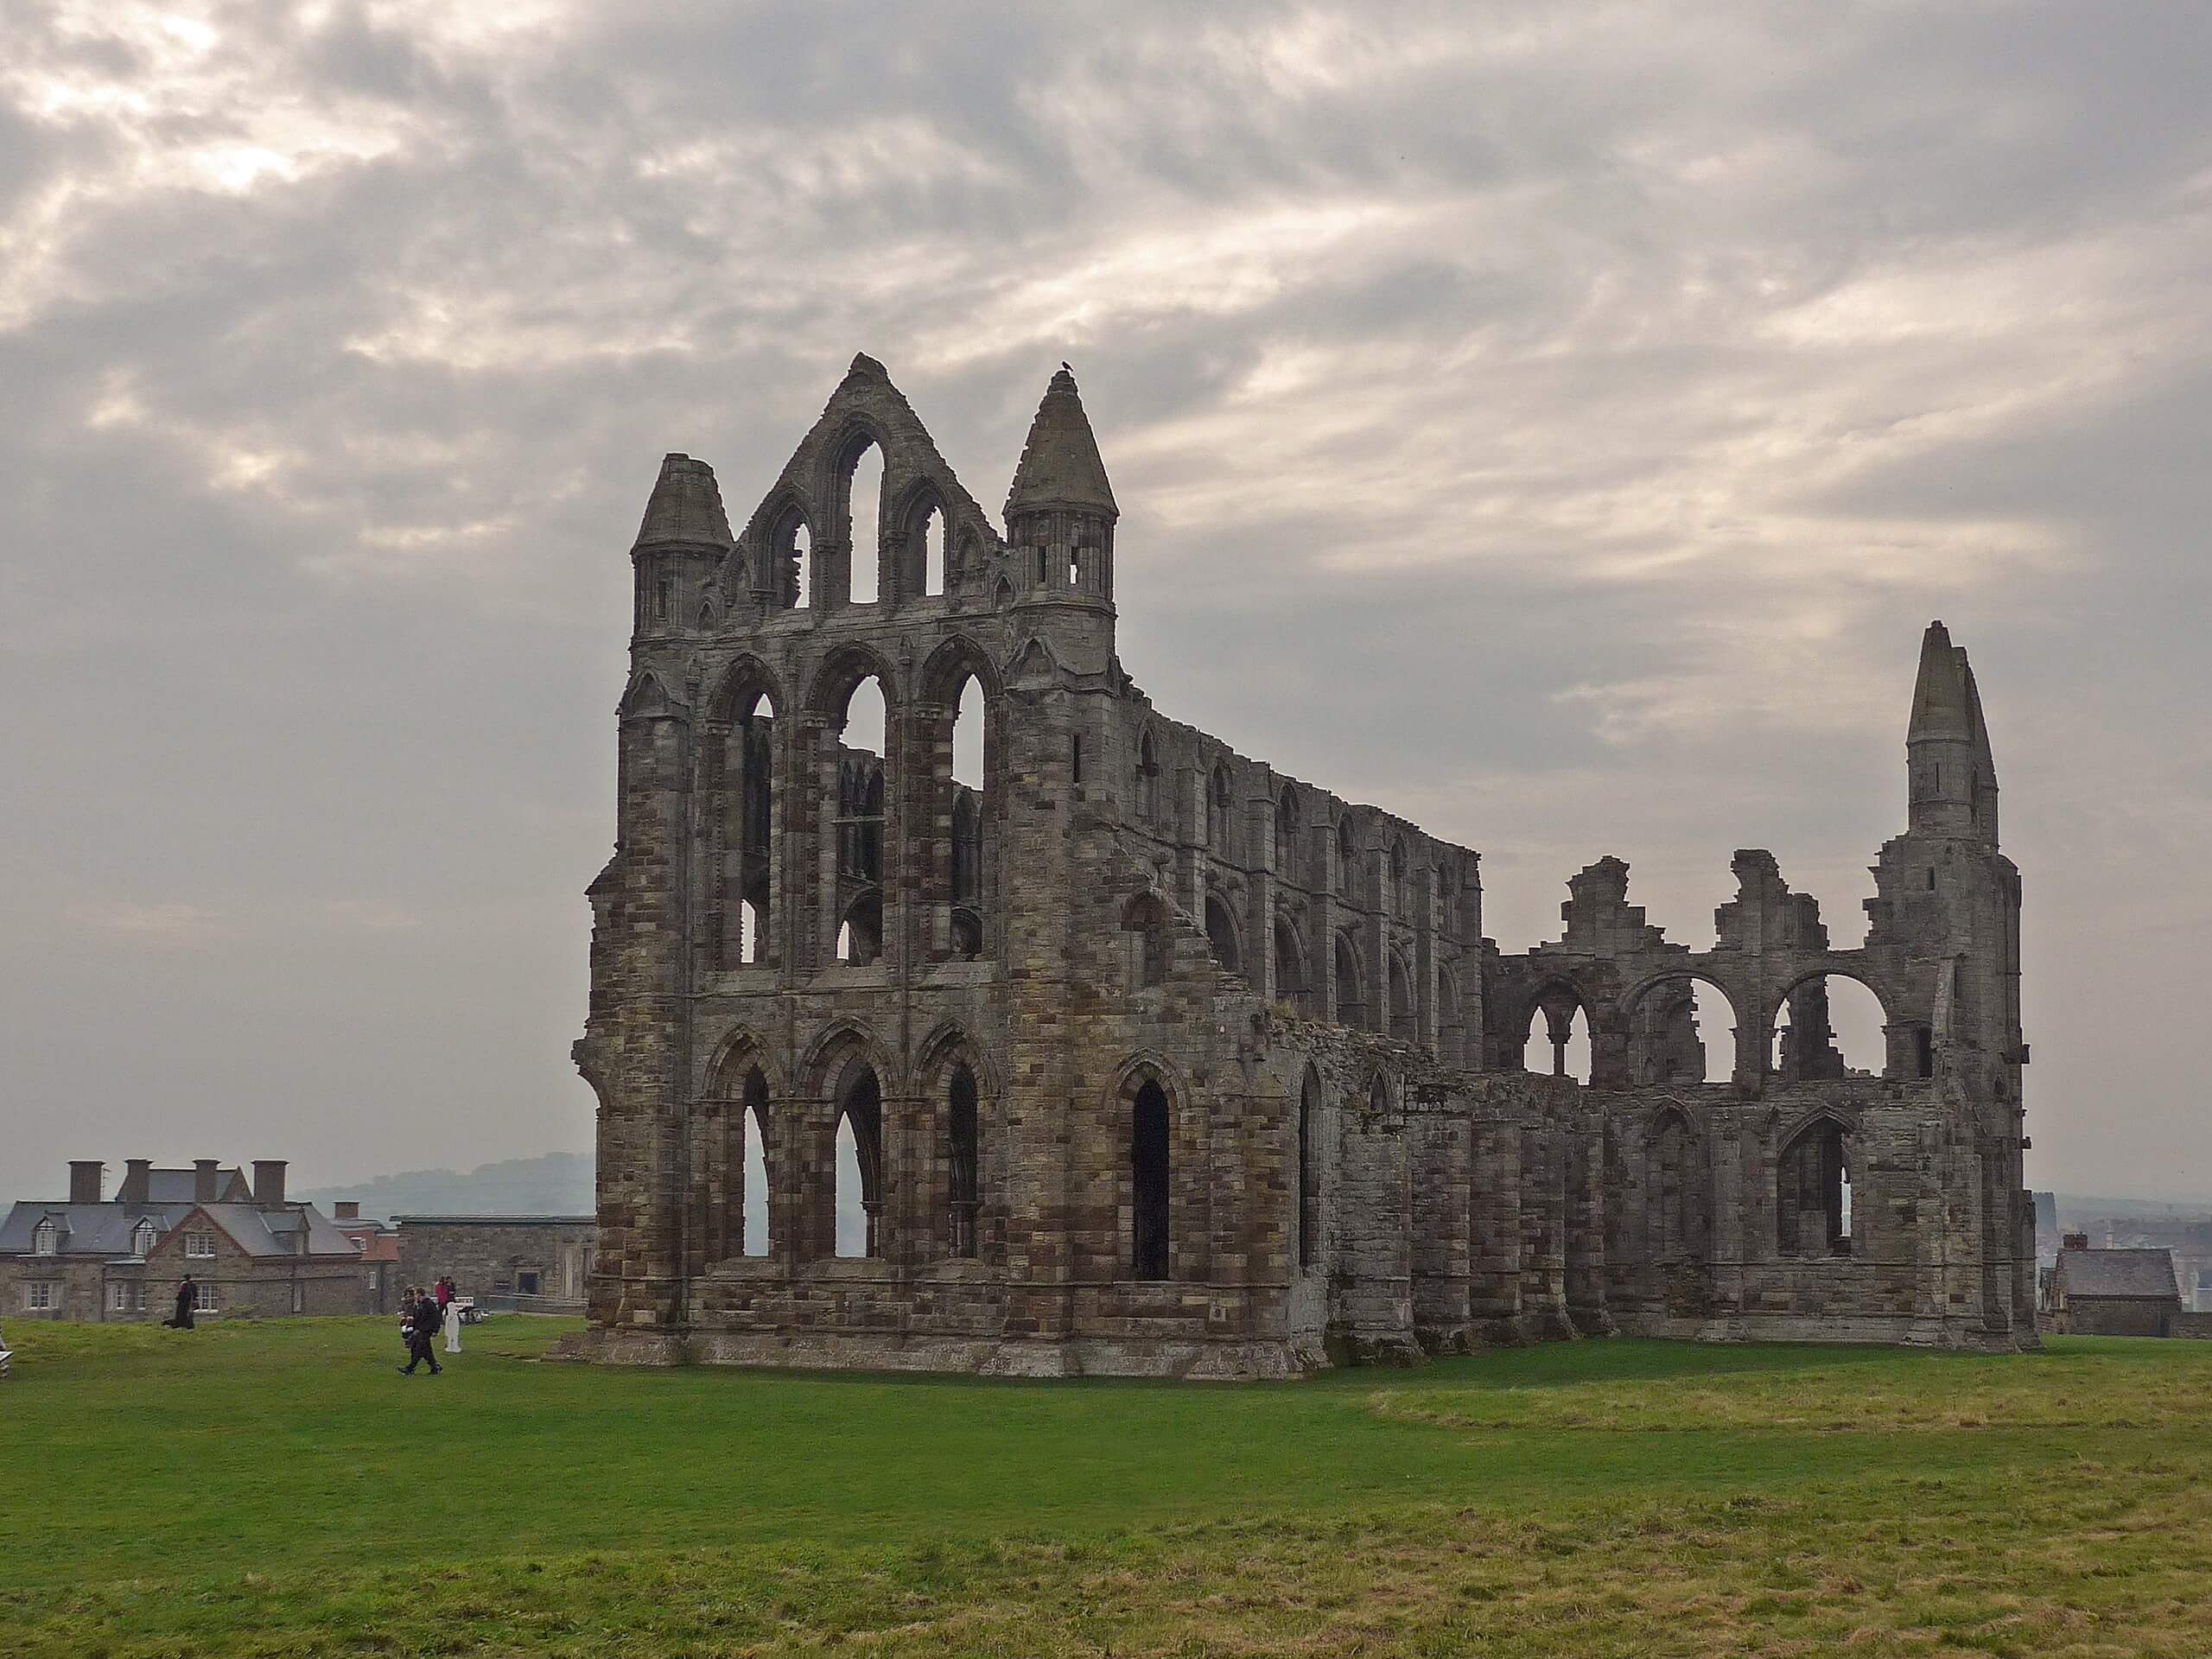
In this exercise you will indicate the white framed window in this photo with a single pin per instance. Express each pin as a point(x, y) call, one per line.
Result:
point(45, 1239)
point(203, 1300)
point(144, 1238)
point(41, 1295)
point(199, 1246)
point(120, 1297)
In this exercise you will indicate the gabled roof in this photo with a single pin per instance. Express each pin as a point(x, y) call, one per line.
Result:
point(180, 1186)
point(2141, 1273)
point(87, 1230)
point(105, 1230)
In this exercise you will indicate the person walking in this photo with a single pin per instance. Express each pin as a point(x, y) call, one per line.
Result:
point(451, 1315)
point(424, 1325)
point(187, 1293)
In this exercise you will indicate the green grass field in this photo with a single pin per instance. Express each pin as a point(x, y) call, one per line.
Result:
point(277, 1489)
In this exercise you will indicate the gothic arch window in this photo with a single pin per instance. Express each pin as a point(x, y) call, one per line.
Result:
point(1220, 812)
point(857, 787)
point(1147, 782)
point(1405, 1017)
point(1286, 826)
point(745, 808)
point(1351, 1005)
point(788, 571)
point(755, 1234)
point(1145, 918)
point(859, 1213)
point(862, 488)
point(1558, 1040)
point(1669, 1186)
point(1221, 933)
point(1813, 1191)
point(1347, 859)
point(1150, 1157)
point(1401, 877)
point(1291, 981)
point(962, 1160)
point(1309, 1182)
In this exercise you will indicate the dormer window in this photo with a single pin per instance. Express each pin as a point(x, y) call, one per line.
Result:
point(143, 1239)
point(46, 1239)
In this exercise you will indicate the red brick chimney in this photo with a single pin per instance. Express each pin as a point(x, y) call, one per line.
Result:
point(85, 1180)
point(347, 1209)
point(268, 1183)
point(205, 1174)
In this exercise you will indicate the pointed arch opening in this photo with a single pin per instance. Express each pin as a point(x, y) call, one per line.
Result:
point(1351, 1002)
point(1144, 784)
point(1558, 1041)
point(933, 550)
point(1309, 1184)
point(1405, 1016)
point(1292, 983)
point(858, 791)
point(1149, 1171)
point(1222, 934)
point(1145, 918)
point(788, 571)
point(755, 1239)
point(1287, 830)
point(1670, 1187)
point(1220, 812)
point(963, 1160)
point(863, 495)
point(859, 1209)
point(1812, 1191)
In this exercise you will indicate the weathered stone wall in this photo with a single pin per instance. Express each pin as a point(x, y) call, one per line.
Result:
point(488, 1257)
point(1181, 989)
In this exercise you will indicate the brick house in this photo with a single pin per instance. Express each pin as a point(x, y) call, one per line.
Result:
point(250, 1251)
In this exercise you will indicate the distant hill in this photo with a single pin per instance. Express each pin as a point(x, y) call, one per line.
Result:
point(558, 1184)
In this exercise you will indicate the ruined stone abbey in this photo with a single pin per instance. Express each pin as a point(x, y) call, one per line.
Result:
point(1150, 1059)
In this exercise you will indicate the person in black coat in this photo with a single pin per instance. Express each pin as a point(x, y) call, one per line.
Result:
point(423, 1326)
point(187, 1293)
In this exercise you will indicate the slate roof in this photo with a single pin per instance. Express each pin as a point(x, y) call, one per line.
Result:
point(2124, 1274)
point(177, 1185)
point(104, 1231)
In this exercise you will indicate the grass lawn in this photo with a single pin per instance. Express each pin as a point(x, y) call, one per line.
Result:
point(277, 1489)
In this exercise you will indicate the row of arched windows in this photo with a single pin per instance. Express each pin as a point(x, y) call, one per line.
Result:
point(910, 549)
point(847, 1220)
point(1827, 1027)
point(762, 891)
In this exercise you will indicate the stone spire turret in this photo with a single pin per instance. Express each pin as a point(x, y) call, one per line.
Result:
point(685, 508)
point(681, 542)
point(1060, 512)
point(1953, 778)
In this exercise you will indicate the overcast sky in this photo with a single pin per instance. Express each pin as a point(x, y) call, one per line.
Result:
point(1554, 423)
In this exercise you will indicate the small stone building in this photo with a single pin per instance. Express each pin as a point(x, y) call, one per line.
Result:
point(2113, 1293)
point(1146, 1057)
point(533, 1264)
point(248, 1250)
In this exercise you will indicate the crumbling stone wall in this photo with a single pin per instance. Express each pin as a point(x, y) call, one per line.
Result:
point(1157, 1061)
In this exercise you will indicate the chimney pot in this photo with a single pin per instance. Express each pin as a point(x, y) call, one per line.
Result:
point(204, 1171)
point(268, 1183)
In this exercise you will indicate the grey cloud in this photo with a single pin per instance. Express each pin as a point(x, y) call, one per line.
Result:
point(1569, 418)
